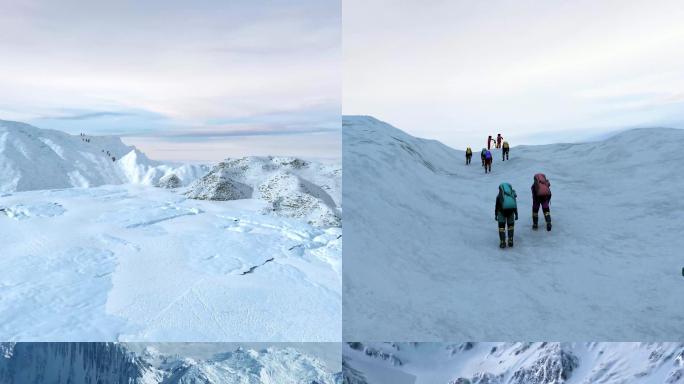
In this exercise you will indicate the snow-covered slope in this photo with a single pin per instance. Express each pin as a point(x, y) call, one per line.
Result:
point(32, 158)
point(421, 245)
point(131, 262)
point(292, 187)
point(66, 363)
point(515, 363)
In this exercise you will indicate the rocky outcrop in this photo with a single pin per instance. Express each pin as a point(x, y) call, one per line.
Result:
point(553, 367)
point(218, 186)
point(170, 181)
point(291, 187)
point(291, 196)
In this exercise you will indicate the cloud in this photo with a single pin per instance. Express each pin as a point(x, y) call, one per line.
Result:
point(162, 67)
point(88, 116)
point(250, 131)
point(324, 145)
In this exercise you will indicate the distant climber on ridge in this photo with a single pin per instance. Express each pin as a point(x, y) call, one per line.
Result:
point(469, 155)
point(504, 151)
point(488, 161)
point(506, 212)
point(541, 195)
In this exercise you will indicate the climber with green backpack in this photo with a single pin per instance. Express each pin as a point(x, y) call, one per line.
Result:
point(506, 212)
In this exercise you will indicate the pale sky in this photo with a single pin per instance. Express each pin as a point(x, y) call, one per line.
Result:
point(535, 71)
point(181, 80)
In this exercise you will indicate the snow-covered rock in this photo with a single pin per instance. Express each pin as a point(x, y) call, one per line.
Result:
point(351, 375)
point(521, 363)
point(217, 186)
point(170, 181)
point(32, 159)
point(66, 363)
point(267, 366)
point(420, 238)
point(292, 187)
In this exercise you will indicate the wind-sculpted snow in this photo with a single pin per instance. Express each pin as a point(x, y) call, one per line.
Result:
point(32, 159)
point(518, 363)
point(420, 238)
point(292, 187)
point(143, 263)
point(91, 363)
point(22, 211)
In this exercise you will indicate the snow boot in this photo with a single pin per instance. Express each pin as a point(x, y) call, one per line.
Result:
point(510, 236)
point(547, 217)
point(510, 243)
point(535, 220)
point(502, 237)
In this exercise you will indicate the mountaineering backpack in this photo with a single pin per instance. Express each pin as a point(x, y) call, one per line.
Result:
point(505, 144)
point(469, 151)
point(542, 187)
point(508, 196)
point(488, 155)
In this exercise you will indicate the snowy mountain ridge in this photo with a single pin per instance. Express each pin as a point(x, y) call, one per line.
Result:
point(62, 363)
point(418, 219)
point(516, 363)
point(32, 158)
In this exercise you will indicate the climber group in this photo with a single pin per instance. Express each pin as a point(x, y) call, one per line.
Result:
point(486, 155)
point(506, 207)
point(84, 138)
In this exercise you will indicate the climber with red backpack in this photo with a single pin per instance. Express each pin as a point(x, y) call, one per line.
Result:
point(541, 195)
point(506, 212)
